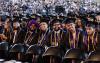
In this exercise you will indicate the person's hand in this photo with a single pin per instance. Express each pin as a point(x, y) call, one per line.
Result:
point(3, 37)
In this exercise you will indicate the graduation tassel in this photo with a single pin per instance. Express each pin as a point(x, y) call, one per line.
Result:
point(74, 43)
point(88, 44)
point(55, 40)
point(93, 42)
point(78, 38)
point(51, 39)
point(69, 40)
point(97, 38)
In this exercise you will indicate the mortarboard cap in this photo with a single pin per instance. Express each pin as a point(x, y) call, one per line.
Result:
point(56, 21)
point(91, 24)
point(70, 20)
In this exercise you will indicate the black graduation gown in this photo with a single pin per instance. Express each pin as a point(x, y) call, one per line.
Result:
point(8, 35)
point(42, 36)
point(98, 41)
point(16, 37)
point(21, 36)
point(62, 41)
point(79, 39)
point(92, 46)
point(33, 38)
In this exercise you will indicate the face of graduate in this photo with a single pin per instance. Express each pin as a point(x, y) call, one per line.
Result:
point(98, 18)
point(7, 19)
point(16, 25)
point(57, 26)
point(89, 30)
point(63, 26)
point(43, 26)
point(78, 22)
point(67, 26)
point(72, 27)
point(6, 25)
point(32, 27)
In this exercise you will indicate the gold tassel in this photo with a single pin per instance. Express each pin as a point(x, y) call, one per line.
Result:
point(93, 42)
point(51, 39)
point(88, 44)
point(69, 41)
point(55, 39)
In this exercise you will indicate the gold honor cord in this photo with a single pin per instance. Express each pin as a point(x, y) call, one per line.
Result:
point(40, 39)
point(71, 43)
point(43, 37)
point(55, 40)
point(14, 39)
point(93, 39)
point(97, 38)
point(51, 39)
point(88, 44)
point(74, 41)
point(78, 39)
point(92, 42)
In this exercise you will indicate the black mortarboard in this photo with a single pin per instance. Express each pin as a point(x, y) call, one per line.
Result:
point(98, 13)
point(33, 16)
point(16, 19)
point(91, 24)
point(45, 20)
point(70, 20)
point(70, 14)
point(56, 21)
point(53, 17)
point(8, 17)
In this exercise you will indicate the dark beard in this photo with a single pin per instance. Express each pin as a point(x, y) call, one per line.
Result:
point(57, 29)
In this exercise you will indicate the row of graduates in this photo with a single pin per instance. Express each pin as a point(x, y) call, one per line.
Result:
point(70, 34)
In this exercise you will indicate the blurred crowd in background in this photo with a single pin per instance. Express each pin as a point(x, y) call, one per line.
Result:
point(47, 7)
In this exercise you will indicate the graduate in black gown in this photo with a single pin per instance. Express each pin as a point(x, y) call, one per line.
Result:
point(15, 32)
point(74, 36)
point(31, 35)
point(91, 38)
point(43, 33)
point(57, 37)
point(79, 24)
point(7, 30)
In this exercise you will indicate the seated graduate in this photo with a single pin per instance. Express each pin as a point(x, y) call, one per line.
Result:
point(31, 35)
point(91, 38)
point(7, 29)
point(16, 29)
point(57, 35)
point(74, 36)
point(43, 33)
point(79, 24)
